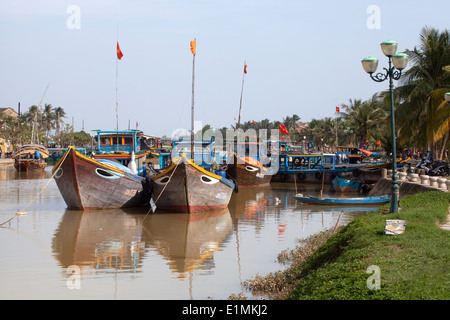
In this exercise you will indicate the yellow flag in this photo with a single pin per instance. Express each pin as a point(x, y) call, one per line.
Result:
point(194, 46)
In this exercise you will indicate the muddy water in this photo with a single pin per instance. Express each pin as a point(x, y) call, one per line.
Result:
point(55, 253)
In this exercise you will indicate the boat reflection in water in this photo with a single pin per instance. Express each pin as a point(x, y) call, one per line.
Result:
point(188, 241)
point(118, 239)
point(10, 173)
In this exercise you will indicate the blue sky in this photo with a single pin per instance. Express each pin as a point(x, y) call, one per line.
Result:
point(303, 57)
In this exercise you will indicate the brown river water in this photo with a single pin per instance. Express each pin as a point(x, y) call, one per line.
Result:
point(55, 253)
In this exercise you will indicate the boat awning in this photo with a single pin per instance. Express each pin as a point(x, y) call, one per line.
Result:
point(368, 153)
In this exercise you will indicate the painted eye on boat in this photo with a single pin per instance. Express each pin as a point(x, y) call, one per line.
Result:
point(108, 174)
point(162, 180)
point(208, 180)
point(251, 168)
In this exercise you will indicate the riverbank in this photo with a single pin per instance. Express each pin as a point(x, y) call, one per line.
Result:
point(410, 266)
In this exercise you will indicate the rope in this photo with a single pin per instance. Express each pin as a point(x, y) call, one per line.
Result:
point(20, 213)
point(164, 188)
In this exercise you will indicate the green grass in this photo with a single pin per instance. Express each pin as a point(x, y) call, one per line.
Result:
point(413, 266)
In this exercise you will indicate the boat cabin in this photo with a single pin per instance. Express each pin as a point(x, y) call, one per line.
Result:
point(349, 155)
point(118, 141)
point(203, 150)
point(292, 163)
point(253, 149)
point(118, 145)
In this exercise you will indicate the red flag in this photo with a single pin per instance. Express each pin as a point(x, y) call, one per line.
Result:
point(283, 129)
point(119, 52)
point(379, 142)
point(253, 121)
point(337, 109)
point(234, 118)
point(245, 67)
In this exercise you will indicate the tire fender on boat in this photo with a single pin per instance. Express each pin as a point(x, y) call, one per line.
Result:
point(147, 185)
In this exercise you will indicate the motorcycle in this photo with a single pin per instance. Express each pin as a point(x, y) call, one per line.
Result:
point(437, 168)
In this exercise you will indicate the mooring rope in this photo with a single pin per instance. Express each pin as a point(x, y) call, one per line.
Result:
point(20, 213)
point(164, 188)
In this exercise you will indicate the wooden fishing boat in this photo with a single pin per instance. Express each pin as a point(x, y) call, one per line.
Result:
point(30, 157)
point(248, 171)
point(191, 185)
point(345, 185)
point(343, 201)
point(187, 187)
point(86, 183)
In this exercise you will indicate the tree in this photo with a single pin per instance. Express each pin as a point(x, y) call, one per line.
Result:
point(48, 118)
point(365, 118)
point(421, 91)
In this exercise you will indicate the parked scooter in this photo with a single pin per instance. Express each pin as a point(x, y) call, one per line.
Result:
point(437, 168)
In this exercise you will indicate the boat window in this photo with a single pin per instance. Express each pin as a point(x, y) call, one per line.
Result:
point(128, 140)
point(106, 141)
point(114, 140)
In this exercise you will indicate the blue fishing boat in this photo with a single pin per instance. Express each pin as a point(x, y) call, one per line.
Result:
point(343, 201)
point(346, 185)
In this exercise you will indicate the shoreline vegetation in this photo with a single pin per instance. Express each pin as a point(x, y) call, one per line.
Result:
point(335, 266)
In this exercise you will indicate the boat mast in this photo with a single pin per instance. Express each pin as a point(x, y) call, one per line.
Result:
point(193, 50)
point(242, 91)
point(35, 129)
point(117, 77)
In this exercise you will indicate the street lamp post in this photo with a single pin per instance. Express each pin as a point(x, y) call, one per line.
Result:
point(370, 65)
point(447, 98)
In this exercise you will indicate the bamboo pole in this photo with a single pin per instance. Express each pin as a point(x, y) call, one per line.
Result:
point(240, 104)
point(192, 106)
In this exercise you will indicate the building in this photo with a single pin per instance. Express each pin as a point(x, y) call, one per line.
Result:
point(8, 112)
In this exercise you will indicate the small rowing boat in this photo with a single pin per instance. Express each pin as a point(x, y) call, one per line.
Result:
point(343, 201)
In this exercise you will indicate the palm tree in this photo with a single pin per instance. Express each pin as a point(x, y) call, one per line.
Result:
point(421, 91)
point(365, 119)
point(48, 118)
point(322, 132)
point(291, 125)
point(59, 114)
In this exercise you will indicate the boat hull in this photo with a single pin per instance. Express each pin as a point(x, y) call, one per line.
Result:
point(29, 164)
point(187, 188)
point(343, 201)
point(248, 173)
point(87, 184)
point(346, 185)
